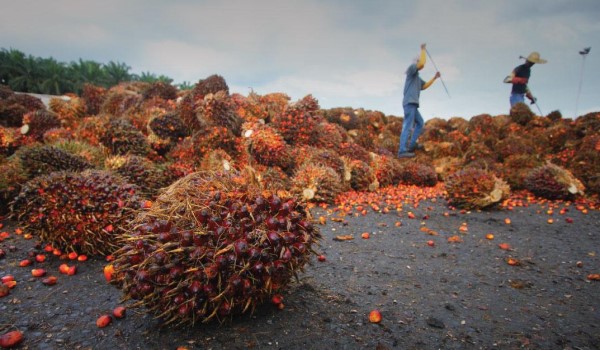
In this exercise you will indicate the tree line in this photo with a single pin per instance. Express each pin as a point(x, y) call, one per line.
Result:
point(26, 73)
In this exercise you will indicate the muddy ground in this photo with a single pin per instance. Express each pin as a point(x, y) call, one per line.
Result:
point(461, 295)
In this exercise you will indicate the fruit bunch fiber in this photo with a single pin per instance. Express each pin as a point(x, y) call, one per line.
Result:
point(212, 246)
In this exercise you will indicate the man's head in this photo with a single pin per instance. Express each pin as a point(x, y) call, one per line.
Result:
point(534, 58)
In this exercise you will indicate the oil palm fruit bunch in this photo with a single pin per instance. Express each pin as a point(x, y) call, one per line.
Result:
point(329, 135)
point(213, 247)
point(210, 85)
point(169, 126)
point(434, 131)
point(36, 123)
point(76, 211)
point(41, 159)
point(297, 124)
point(215, 137)
point(316, 183)
point(521, 114)
point(346, 117)
point(140, 171)
point(15, 106)
point(362, 176)
point(585, 164)
point(354, 151)
point(274, 104)
point(273, 178)
point(159, 89)
point(10, 140)
point(58, 135)
point(445, 166)
point(120, 137)
point(267, 146)
point(12, 176)
point(387, 170)
point(91, 128)
point(515, 168)
point(120, 99)
point(250, 108)
point(218, 110)
point(551, 181)
point(90, 153)
point(93, 97)
point(217, 160)
point(559, 134)
point(330, 158)
point(475, 188)
point(69, 112)
point(514, 145)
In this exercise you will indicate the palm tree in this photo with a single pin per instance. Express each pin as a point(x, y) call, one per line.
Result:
point(116, 72)
point(55, 77)
point(186, 85)
point(86, 72)
point(20, 71)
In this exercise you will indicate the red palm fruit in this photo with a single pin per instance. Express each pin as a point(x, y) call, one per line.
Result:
point(38, 272)
point(50, 280)
point(4, 290)
point(103, 321)
point(63, 268)
point(82, 257)
point(11, 339)
point(277, 299)
point(108, 272)
point(40, 258)
point(72, 270)
point(25, 262)
point(375, 316)
point(7, 278)
point(72, 255)
point(119, 312)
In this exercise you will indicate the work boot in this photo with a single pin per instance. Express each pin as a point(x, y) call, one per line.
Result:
point(417, 147)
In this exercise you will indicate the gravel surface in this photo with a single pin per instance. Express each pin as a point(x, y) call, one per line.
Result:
point(447, 295)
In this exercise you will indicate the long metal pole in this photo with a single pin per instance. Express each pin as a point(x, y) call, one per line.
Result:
point(580, 83)
point(437, 70)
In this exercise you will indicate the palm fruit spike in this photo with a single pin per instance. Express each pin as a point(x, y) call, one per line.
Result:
point(212, 246)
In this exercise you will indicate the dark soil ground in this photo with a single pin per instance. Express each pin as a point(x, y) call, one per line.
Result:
point(448, 296)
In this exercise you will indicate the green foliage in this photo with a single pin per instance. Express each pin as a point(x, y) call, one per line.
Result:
point(26, 73)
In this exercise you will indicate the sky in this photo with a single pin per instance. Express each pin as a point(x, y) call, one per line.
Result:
point(346, 53)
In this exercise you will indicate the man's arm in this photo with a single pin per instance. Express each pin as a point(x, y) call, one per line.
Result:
point(421, 60)
point(428, 84)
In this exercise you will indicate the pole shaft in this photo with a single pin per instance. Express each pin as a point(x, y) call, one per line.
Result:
point(437, 70)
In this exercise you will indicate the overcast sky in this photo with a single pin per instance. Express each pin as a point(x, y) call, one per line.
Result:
point(343, 52)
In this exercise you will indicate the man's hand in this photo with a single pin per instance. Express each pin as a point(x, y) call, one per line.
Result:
point(437, 75)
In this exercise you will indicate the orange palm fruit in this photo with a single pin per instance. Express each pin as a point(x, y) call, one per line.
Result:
point(103, 321)
point(375, 316)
